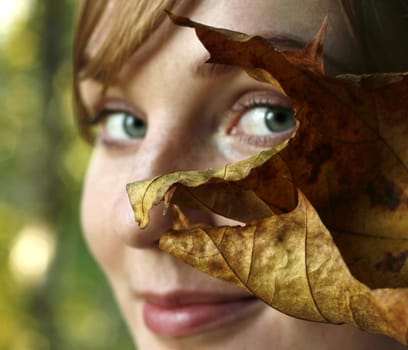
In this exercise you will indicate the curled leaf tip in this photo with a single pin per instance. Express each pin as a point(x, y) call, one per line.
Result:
point(180, 20)
point(315, 48)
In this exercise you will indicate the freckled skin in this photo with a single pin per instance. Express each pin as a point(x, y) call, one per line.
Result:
point(180, 111)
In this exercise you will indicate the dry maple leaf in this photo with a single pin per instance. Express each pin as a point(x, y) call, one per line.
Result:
point(326, 234)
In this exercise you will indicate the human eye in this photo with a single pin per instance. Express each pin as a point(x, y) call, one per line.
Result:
point(263, 119)
point(120, 127)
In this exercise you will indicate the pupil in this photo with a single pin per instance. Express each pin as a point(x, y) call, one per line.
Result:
point(279, 119)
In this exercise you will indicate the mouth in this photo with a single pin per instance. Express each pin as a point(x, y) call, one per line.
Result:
point(185, 314)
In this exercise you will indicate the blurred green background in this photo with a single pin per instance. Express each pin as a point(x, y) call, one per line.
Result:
point(52, 295)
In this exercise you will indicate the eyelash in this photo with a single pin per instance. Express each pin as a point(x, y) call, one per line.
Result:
point(103, 114)
point(252, 102)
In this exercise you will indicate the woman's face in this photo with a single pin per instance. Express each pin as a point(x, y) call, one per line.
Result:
point(167, 110)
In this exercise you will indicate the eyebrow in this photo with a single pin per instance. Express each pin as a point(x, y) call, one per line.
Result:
point(202, 69)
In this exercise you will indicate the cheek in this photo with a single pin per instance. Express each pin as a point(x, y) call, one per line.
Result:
point(97, 207)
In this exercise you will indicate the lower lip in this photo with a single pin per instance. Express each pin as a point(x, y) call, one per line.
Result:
point(185, 320)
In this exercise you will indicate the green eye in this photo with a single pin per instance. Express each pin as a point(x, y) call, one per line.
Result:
point(121, 126)
point(278, 119)
point(134, 127)
point(266, 120)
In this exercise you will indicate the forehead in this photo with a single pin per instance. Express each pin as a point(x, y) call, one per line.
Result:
point(297, 17)
point(255, 16)
point(297, 20)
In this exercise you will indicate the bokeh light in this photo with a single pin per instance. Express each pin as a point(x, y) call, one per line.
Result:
point(31, 254)
point(11, 12)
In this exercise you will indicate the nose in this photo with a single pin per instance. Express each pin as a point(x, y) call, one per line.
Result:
point(165, 149)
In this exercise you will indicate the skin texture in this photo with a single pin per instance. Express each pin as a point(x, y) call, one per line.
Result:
point(193, 124)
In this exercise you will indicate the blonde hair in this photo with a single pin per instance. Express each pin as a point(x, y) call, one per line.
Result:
point(377, 23)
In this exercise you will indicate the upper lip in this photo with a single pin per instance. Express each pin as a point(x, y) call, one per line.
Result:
point(180, 298)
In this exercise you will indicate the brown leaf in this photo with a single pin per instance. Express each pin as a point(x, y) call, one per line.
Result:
point(349, 158)
point(291, 257)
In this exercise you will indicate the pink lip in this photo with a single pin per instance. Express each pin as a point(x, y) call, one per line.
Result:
point(178, 315)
